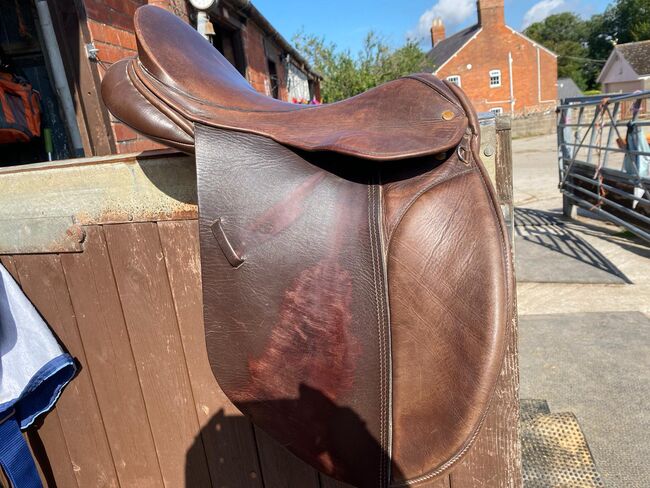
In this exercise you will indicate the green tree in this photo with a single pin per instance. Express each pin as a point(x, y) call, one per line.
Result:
point(564, 34)
point(623, 21)
point(345, 75)
point(599, 43)
point(628, 20)
point(584, 45)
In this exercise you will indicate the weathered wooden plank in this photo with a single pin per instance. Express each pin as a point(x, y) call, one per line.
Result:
point(280, 468)
point(42, 279)
point(141, 276)
point(51, 453)
point(487, 149)
point(227, 435)
point(110, 360)
point(8, 263)
point(44, 205)
point(503, 183)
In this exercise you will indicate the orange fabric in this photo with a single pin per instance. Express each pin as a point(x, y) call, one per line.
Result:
point(27, 115)
point(8, 136)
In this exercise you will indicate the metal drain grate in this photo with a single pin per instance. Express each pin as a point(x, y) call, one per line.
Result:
point(556, 454)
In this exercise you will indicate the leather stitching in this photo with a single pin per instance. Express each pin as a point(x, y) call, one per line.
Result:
point(380, 332)
point(374, 281)
point(385, 308)
point(384, 453)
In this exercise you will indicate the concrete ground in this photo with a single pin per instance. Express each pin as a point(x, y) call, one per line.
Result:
point(584, 304)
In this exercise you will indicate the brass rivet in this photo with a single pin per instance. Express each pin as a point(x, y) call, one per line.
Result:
point(447, 115)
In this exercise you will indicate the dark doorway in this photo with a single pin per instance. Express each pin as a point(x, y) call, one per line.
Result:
point(22, 55)
point(273, 79)
point(228, 41)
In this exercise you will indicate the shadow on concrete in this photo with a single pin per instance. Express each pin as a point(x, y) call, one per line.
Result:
point(597, 366)
point(547, 251)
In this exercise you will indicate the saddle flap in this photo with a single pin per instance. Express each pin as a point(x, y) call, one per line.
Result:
point(183, 76)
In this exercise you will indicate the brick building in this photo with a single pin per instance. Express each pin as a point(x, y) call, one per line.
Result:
point(93, 34)
point(500, 69)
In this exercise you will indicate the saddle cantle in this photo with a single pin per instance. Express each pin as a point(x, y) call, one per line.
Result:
point(356, 272)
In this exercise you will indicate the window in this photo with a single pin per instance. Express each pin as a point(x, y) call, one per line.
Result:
point(496, 110)
point(455, 79)
point(495, 78)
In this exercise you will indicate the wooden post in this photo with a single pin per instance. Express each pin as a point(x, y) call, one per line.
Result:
point(495, 459)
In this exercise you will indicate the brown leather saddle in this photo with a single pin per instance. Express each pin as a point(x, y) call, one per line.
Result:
point(356, 271)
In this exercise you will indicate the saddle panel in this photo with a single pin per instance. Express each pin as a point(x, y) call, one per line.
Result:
point(451, 279)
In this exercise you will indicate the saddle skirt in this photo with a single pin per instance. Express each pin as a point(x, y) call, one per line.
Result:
point(356, 272)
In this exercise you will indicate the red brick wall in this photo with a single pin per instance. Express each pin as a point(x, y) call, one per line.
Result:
point(488, 51)
point(110, 23)
point(256, 67)
point(257, 70)
point(282, 75)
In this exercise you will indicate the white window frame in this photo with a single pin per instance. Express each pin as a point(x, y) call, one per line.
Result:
point(455, 79)
point(495, 73)
point(497, 110)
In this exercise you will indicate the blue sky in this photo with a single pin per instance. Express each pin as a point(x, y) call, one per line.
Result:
point(346, 22)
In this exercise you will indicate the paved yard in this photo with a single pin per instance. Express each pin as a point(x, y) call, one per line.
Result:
point(584, 304)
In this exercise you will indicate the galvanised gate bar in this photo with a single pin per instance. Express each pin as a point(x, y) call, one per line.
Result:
point(604, 158)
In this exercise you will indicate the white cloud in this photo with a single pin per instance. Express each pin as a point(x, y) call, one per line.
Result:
point(452, 12)
point(540, 11)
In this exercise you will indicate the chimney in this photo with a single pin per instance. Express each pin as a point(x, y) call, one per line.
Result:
point(437, 31)
point(490, 12)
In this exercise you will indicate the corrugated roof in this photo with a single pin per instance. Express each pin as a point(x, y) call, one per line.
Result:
point(638, 55)
point(567, 88)
point(446, 48)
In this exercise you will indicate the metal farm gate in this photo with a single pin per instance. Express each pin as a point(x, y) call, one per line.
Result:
point(604, 158)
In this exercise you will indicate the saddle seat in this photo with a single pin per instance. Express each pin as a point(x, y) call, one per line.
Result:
point(181, 75)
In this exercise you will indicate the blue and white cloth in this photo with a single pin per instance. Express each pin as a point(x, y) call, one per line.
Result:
point(34, 369)
point(637, 165)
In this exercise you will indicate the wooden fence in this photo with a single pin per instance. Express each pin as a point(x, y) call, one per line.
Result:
point(107, 250)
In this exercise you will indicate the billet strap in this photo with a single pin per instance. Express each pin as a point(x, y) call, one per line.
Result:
point(15, 456)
